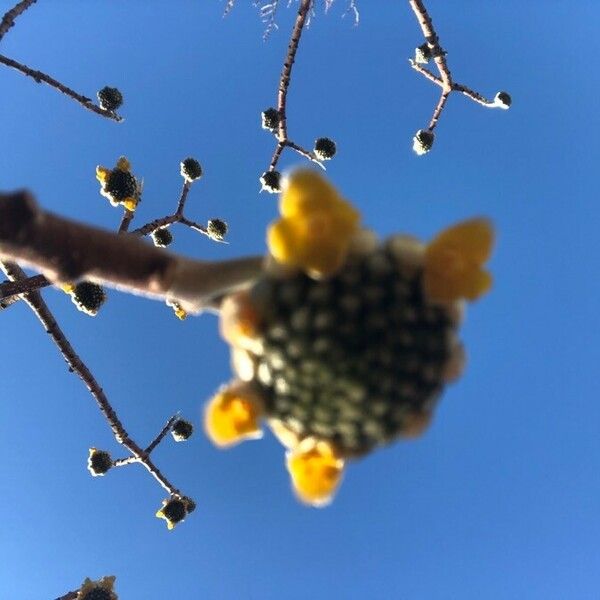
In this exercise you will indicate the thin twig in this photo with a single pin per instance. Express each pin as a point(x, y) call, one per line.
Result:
point(281, 134)
point(41, 77)
point(77, 366)
point(69, 596)
point(445, 80)
point(8, 20)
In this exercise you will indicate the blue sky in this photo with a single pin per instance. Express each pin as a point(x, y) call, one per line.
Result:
point(501, 498)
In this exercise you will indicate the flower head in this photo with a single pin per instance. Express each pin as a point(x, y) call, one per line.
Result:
point(315, 228)
point(270, 119)
point(325, 148)
point(503, 100)
point(101, 589)
point(454, 261)
point(110, 98)
point(88, 297)
point(423, 141)
point(175, 509)
point(190, 170)
point(99, 462)
point(162, 237)
point(216, 229)
point(118, 185)
point(344, 343)
point(182, 430)
point(270, 181)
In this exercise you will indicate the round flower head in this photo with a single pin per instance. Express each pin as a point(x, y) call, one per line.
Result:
point(97, 590)
point(344, 343)
point(162, 237)
point(118, 185)
point(88, 297)
point(182, 430)
point(270, 119)
point(110, 98)
point(503, 100)
point(190, 170)
point(325, 148)
point(423, 141)
point(216, 229)
point(271, 182)
point(99, 462)
point(174, 511)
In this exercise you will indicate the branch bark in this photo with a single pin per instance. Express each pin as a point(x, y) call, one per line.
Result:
point(64, 250)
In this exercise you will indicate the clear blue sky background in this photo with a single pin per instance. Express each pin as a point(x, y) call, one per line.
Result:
point(501, 498)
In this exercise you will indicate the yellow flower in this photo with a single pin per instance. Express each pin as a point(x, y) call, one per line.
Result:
point(118, 185)
point(232, 415)
point(316, 471)
point(103, 588)
point(454, 261)
point(315, 228)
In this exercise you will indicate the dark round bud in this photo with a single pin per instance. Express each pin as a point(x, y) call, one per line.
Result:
point(190, 169)
point(216, 229)
point(121, 185)
point(181, 430)
point(271, 181)
point(110, 98)
point(423, 54)
point(99, 462)
point(162, 237)
point(175, 510)
point(325, 148)
point(423, 141)
point(270, 119)
point(503, 100)
point(88, 297)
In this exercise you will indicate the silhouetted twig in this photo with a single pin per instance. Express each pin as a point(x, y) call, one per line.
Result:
point(8, 20)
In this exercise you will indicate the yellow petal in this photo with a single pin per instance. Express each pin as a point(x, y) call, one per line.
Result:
point(282, 240)
point(453, 261)
point(473, 239)
point(232, 415)
point(316, 471)
point(67, 288)
point(306, 191)
point(102, 174)
point(130, 204)
point(123, 164)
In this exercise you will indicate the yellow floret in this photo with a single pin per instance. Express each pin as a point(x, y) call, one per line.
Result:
point(316, 226)
point(454, 261)
point(316, 471)
point(232, 415)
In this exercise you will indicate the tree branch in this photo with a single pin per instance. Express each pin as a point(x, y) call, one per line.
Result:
point(281, 134)
point(41, 77)
point(77, 366)
point(8, 20)
point(445, 80)
point(64, 250)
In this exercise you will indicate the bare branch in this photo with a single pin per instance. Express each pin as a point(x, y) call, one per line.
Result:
point(30, 284)
point(64, 250)
point(41, 77)
point(445, 80)
point(8, 20)
point(283, 139)
point(77, 366)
